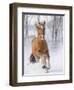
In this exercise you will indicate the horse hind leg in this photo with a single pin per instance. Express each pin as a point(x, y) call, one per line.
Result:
point(43, 61)
point(32, 59)
point(48, 63)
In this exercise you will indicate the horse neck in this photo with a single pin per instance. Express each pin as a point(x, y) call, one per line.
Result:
point(38, 37)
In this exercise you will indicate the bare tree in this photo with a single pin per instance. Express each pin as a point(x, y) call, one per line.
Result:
point(26, 25)
point(61, 28)
point(57, 27)
point(54, 30)
point(38, 18)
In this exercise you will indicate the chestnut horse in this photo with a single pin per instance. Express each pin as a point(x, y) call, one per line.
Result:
point(40, 48)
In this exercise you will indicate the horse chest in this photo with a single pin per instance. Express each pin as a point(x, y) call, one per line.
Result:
point(42, 47)
point(39, 47)
point(41, 44)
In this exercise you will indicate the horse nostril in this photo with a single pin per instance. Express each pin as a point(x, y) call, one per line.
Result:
point(39, 50)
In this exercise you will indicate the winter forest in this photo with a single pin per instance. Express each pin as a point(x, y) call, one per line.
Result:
point(54, 26)
point(54, 31)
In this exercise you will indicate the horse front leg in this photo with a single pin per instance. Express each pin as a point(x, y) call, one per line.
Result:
point(48, 62)
point(43, 62)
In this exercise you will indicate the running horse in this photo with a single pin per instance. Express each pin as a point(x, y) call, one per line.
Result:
point(40, 48)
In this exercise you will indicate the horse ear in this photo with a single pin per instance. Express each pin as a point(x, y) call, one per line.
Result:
point(43, 23)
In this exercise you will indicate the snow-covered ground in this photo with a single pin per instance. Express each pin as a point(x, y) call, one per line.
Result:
point(56, 59)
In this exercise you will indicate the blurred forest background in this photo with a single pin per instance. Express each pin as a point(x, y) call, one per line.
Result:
point(53, 27)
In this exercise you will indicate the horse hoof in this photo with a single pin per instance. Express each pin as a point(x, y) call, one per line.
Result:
point(48, 67)
point(44, 67)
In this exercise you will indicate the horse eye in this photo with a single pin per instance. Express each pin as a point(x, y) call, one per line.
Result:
point(46, 51)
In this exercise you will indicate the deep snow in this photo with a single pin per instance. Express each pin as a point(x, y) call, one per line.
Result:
point(56, 59)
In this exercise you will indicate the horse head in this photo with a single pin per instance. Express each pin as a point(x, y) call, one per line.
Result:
point(40, 26)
